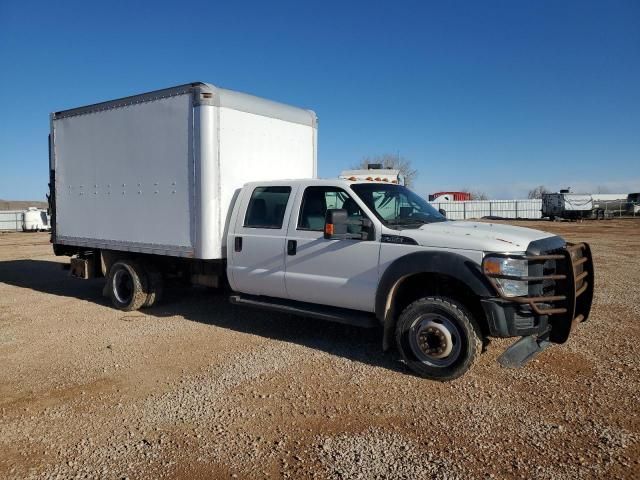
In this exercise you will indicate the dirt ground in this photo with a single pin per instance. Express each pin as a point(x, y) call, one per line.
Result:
point(195, 388)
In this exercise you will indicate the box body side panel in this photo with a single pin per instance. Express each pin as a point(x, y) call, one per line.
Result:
point(259, 148)
point(124, 177)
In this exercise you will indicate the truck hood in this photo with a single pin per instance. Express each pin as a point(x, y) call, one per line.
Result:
point(487, 237)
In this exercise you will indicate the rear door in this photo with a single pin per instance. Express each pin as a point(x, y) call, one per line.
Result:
point(258, 245)
point(341, 273)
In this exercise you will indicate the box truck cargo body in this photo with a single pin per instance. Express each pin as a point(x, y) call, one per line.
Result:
point(156, 173)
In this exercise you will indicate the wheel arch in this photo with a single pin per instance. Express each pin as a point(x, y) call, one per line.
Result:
point(429, 273)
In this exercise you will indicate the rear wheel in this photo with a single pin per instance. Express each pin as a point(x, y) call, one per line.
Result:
point(437, 338)
point(127, 285)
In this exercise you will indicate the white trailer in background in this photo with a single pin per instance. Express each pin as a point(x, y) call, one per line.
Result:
point(34, 220)
point(572, 206)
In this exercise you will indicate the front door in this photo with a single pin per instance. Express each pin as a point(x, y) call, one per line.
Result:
point(258, 245)
point(341, 273)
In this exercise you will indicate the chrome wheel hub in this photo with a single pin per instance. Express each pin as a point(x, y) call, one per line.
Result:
point(435, 340)
point(123, 286)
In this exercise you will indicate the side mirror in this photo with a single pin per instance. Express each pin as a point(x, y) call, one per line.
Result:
point(442, 212)
point(335, 223)
point(336, 226)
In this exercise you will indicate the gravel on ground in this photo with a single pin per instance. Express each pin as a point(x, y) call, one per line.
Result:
point(197, 388)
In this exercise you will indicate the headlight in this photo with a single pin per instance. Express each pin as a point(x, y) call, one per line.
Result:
point(497, 267)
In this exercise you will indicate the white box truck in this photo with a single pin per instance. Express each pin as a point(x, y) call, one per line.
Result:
point(191, 183)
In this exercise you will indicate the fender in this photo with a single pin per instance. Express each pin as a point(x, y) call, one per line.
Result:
point(446, 263)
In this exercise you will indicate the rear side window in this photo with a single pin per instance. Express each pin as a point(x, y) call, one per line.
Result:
point(266, 207)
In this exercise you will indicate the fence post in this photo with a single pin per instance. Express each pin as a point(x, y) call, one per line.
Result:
point(490, 209)
point(516, 209)
point(464, 210)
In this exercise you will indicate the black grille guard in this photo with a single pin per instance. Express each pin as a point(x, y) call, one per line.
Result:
point(571, 301)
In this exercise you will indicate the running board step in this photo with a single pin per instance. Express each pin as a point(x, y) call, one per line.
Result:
point(522, 351)
point(322, 312)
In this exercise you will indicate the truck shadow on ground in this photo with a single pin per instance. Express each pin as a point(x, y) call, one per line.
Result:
point(211, 307)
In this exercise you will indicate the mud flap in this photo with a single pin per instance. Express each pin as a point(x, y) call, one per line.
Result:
point(522, 351)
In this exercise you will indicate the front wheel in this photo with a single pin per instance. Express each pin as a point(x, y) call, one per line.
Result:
point(437, 338)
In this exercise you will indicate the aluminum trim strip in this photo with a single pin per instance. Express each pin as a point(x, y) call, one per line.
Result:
point(130, 100)
point(149, 248)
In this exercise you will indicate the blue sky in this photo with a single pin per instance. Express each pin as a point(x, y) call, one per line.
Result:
point(495, 96)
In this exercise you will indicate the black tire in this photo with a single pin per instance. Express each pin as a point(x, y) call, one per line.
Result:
point(127, 285)
point(155, 286)
point(437, 338)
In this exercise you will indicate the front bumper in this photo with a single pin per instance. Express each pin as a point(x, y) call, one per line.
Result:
point(560, 295)
point(509, 319)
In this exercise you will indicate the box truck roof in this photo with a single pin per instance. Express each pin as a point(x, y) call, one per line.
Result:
point(207, 94)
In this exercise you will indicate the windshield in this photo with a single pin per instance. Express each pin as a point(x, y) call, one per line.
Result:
point(397, 206)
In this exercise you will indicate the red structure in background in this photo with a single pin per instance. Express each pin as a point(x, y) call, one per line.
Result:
point(457, 196)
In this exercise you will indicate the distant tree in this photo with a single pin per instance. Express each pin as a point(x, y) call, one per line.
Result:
point(536, 193)
point(479, 196)
point(393, 161)
point(475, 194)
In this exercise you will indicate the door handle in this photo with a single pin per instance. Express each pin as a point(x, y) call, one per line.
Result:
point(292, 247)
point(237, 244)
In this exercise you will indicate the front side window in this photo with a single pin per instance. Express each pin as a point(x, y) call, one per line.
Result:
point(316, 202)
point(266, 207)
point(397, 206)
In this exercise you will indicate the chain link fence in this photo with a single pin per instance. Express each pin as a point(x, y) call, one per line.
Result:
point(32, 219)
point(526, 209)
point(10, 220)
point(523, 209)
point(619, 209)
